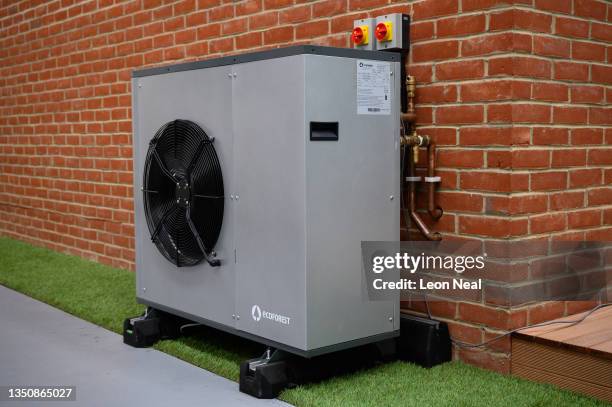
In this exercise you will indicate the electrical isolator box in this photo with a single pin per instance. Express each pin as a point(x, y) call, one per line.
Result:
point(362, 36)
point(392, 32)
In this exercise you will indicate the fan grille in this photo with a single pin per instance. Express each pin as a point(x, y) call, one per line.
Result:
point(183, 193)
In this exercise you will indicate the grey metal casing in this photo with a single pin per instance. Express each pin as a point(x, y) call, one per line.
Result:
point(290, 245)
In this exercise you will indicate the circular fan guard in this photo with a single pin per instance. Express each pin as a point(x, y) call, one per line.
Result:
point(183, 193)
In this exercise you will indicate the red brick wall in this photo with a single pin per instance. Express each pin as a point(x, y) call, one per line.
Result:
point(515, 92)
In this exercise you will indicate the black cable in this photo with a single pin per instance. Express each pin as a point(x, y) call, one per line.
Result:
point(572, 323)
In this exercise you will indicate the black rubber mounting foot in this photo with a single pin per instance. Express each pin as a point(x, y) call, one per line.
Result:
point(425, 342)
point(265, 381)
point(153, 325)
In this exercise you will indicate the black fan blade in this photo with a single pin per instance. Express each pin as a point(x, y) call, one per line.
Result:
point(162, 166)
point(159, 225)
point(212, 262)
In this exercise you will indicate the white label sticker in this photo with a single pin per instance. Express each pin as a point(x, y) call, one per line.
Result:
point(373, 87)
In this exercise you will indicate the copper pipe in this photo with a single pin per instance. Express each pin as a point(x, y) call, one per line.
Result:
point(412, 202)
point(434, 210)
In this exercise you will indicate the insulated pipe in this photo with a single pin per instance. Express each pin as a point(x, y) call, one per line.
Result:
point(434, 210)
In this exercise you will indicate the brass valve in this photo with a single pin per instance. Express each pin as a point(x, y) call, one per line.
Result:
point(410, 86)
point(415, 153)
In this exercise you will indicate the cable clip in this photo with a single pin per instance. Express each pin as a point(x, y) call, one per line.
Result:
point(432, 179)
point(413, 179)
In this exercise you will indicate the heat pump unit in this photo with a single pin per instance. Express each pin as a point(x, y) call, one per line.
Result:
point(256, 178)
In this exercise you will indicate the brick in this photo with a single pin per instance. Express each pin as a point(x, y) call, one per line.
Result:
point(433, 8)
point(601, 156)
point(329, 8)
point(271, 4)
point(249, 40)
point(530, 158)
point(459, 114)
point(278, 35)
point(311, 29)
point(248, 7)
point(552, 92)
point(484, 45)
point(568, 158)
point(485, 136)
point(264, 20)
point(548, 181)
point(479, 314)
point(421, 30)
point(546, 312)
point(587, 94)
point(600, 196)
point(434, 51)
point(520, 66)
point(569, 115)
point(584, 218)
point(234, 26)
point(460, 70)
point(436, 94)
point(563, 201)
point(499, 159)
point(554, 47)
point(550, 222)
point(457, 26)
point(472, 5)
point(527, 113)
point(571, 27)
point(601, 74)
point(586, 136)
point(485, 226)
point(571, 71)
point(585, 177)
point(559, 6)
point(502, 20)
point(460, 158)
point(295, 15)
point(601, 32)
point(600, 115)
point(422, 73)
point(486, 91)
point(590, 9)
point(588, 51)
point(525, 204)
point(486, 181)
point(550, 136)
point(536, 22)
point(221, 45)
point(460, 201)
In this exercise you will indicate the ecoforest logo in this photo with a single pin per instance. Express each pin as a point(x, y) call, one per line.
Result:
point(257, 313)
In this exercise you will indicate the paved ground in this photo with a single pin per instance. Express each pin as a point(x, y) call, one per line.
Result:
point(41, 345)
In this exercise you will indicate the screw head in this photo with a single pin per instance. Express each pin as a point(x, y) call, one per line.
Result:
point(390, 319)
point(144, 288)
point(391, 197)
point(237, 316)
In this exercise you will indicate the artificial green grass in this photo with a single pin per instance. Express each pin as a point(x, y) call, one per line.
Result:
point(105, 296)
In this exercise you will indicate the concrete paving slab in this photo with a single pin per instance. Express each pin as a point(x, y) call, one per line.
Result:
point(43, 346)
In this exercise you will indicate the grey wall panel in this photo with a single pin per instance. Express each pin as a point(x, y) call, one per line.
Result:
point(349, 183)
point(268, 109)
point(202, 96)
